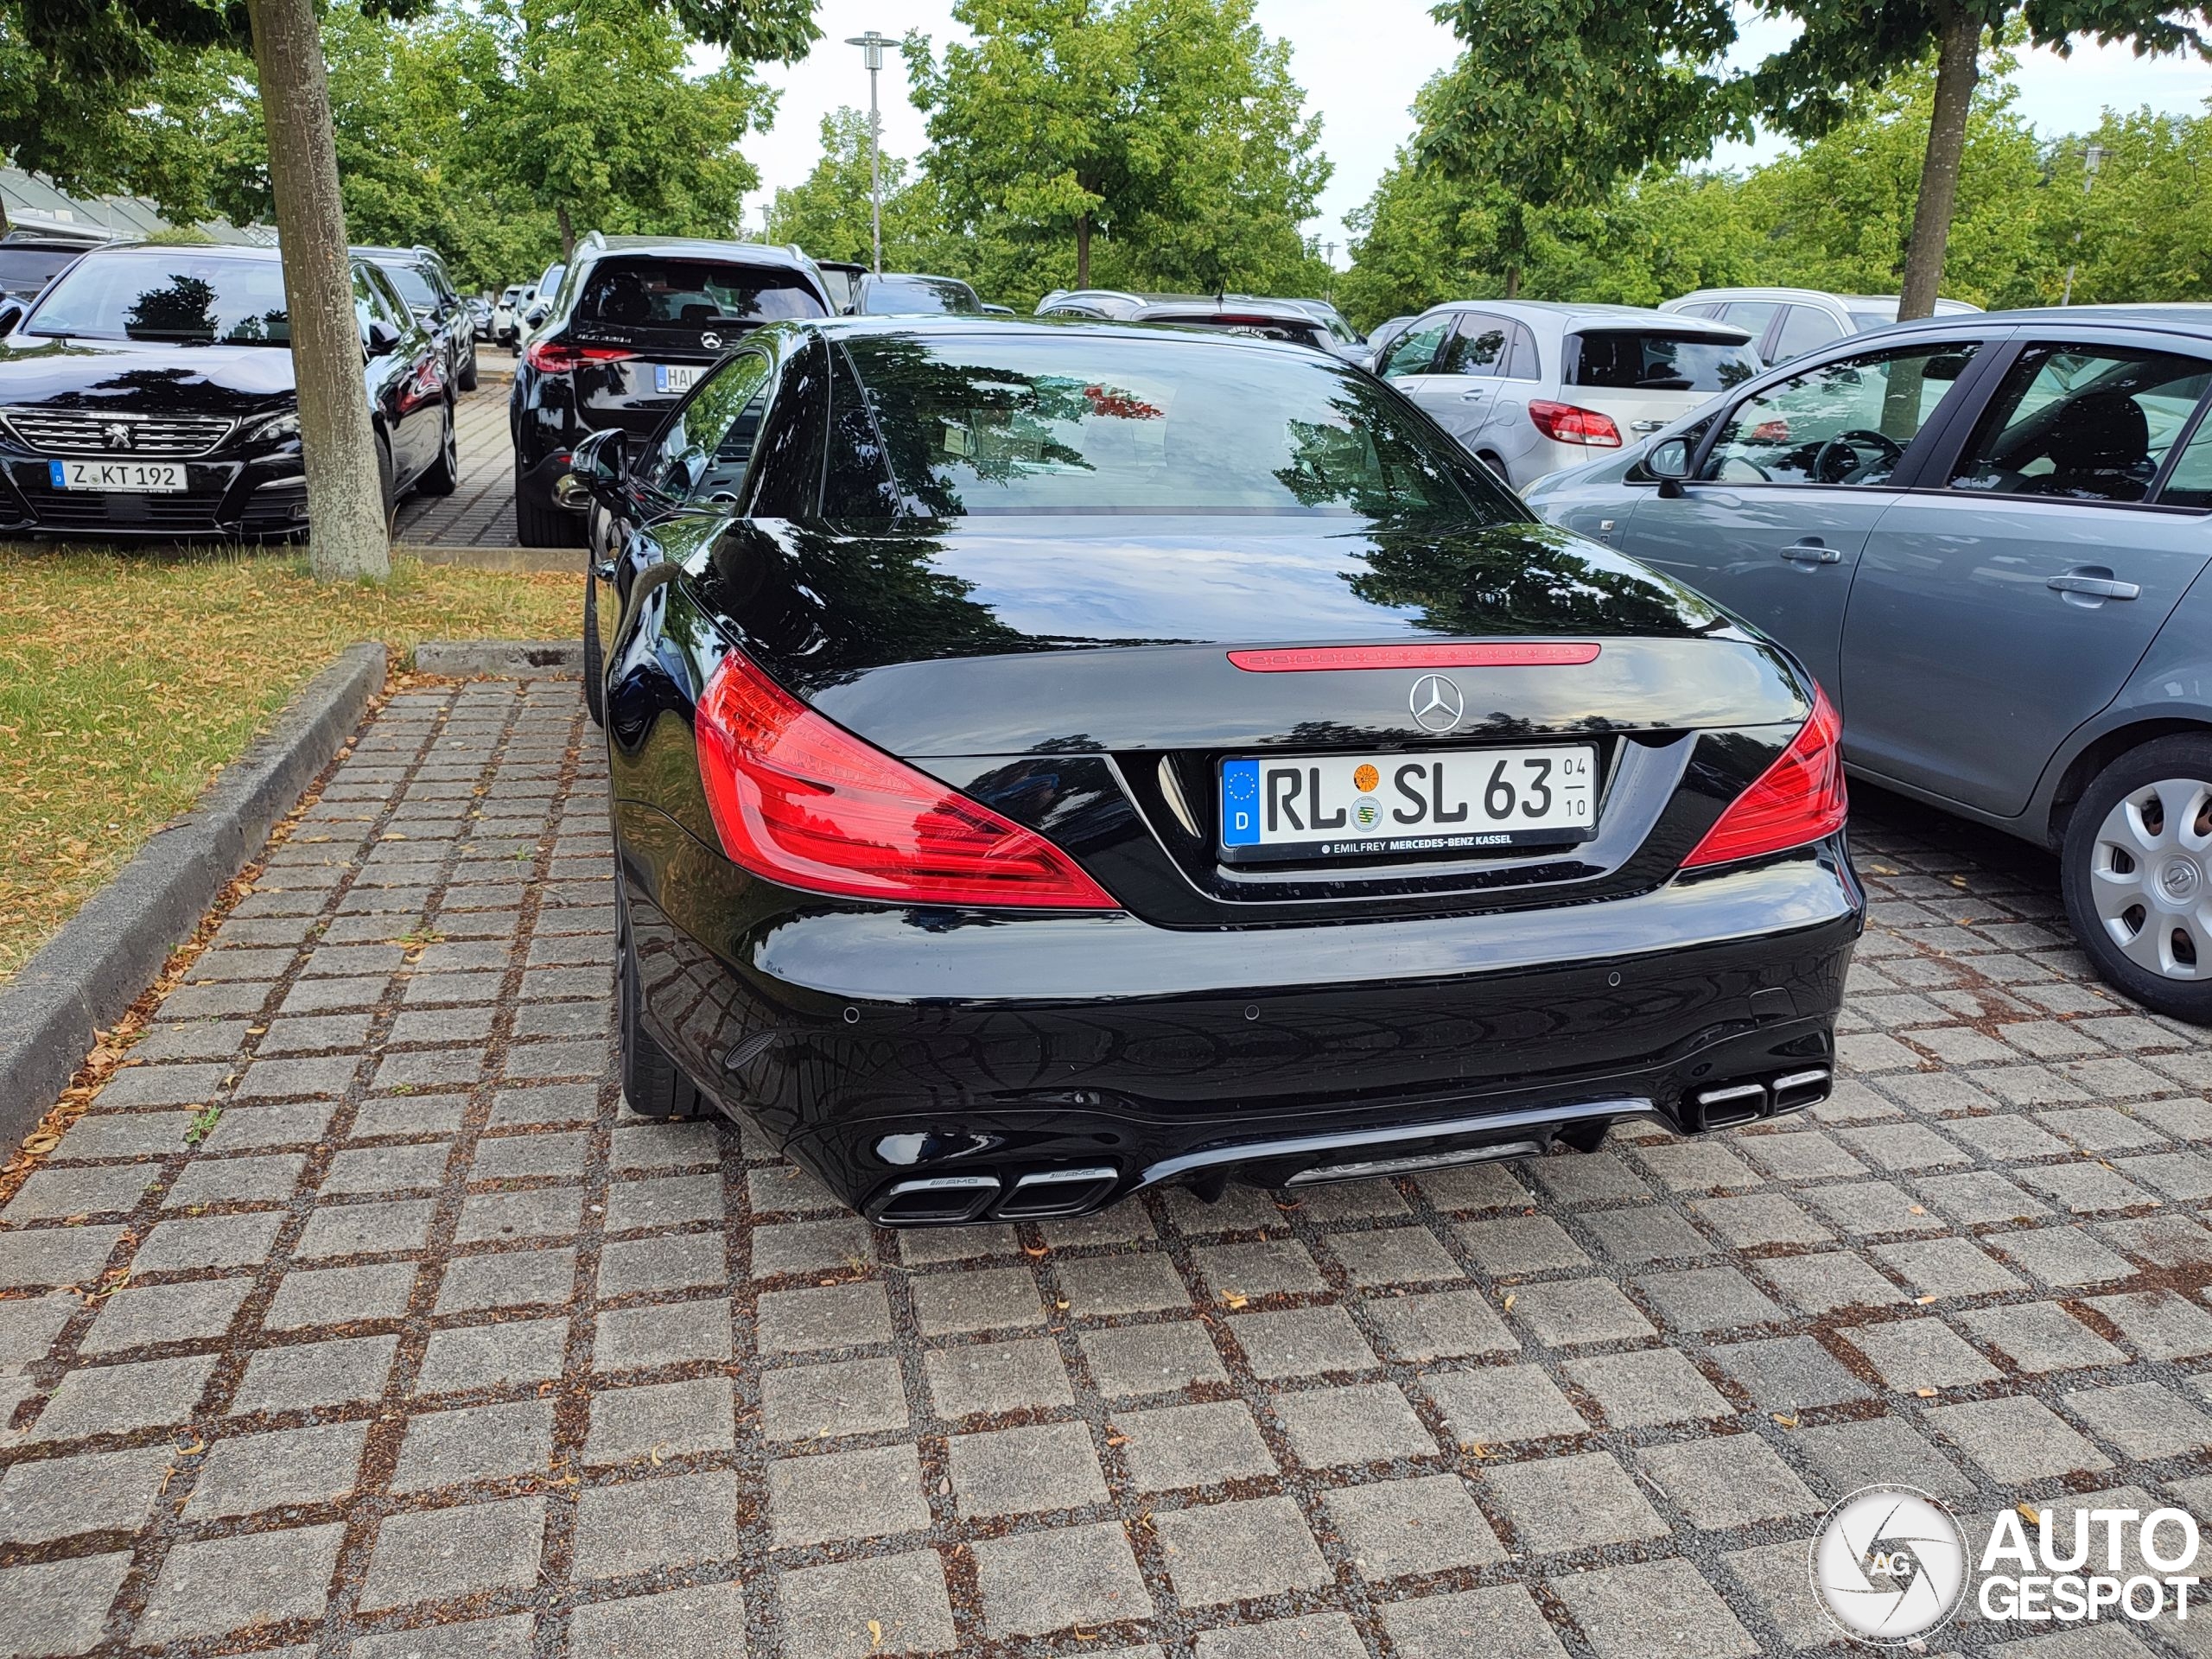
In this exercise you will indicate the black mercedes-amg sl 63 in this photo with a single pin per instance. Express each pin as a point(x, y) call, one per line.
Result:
point(1050, 761)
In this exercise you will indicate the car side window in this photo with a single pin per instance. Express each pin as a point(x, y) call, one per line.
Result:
point(709, 443)
point(1804, 328)
point(1521, 364)
point(1845, 423)
point(1477, 347)
point(2083, 422)
point(2189, 483)
point(1751, 315)
point(1415, 350)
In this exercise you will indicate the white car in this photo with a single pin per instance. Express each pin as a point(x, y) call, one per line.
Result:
point(1787, 322)
point(1529, 386)
point(506, 312)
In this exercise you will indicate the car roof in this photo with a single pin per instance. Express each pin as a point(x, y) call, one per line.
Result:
point(1230, 304)
point(1001, 328)
point(238, 251)
point(368, 252)
point(2179, 317)
point(1573, 316)
point(694, 247)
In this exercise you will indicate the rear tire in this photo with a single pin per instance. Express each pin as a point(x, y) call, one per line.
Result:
point(386, 485)
point(442, 477)
point(652, 1083)
point(594, 657)
point(2137, 884)
point(541, 521)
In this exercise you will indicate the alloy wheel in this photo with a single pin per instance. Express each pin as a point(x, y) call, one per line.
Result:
point(2150, 877)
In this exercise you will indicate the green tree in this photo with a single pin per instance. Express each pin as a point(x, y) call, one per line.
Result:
point(1171, 130)
point(1551, 103)
point(2144, 226)
point(826, 212)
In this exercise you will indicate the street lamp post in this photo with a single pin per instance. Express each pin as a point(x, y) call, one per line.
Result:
point(2091, 158)
point(872, 45)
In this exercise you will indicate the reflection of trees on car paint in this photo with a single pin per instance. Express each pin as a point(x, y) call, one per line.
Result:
point(1505, 580)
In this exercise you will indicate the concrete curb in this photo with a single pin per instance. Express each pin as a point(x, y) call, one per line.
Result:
point(500, 659)
point(105, 956)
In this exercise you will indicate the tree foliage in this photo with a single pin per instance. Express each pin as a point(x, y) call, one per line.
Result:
point(1161, 143)
point(826, 212)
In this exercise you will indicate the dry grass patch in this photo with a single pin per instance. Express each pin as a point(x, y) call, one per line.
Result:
point(128, 679)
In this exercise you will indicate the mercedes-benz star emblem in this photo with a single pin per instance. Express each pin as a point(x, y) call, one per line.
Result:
point(711, 342)
point(119, 434)
point(1436, 703)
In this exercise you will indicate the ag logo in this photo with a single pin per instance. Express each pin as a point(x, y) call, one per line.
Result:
point(1889, 1564)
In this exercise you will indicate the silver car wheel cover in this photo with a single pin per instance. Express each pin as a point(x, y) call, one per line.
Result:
point(2148, 886)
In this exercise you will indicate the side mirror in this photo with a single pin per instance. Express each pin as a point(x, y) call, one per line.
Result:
point(597, 471)
point(1669, 462)
point(11, 313)
point(380, 337)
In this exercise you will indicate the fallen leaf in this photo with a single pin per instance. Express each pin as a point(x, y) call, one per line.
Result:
point(1787, 1422)
point(2028, 1512)
point(876, 1632)
point(1925, 1394)
point(1233, 1298)
point(1508, 1302)
point(1035, 1249)
point(1921, 1301)
point(1919, 1209)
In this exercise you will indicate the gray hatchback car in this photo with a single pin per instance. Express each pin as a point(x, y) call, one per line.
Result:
point(1988, 537)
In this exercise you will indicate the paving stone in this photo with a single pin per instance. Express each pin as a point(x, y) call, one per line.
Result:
point(707, 1620)
point(686, 1261)
point(989, 1379)
point(209, 1586)
point(1923, 1353)
point(1503, 1623)
point(2039, 1337)
point(670, 1418)
point(312, 1375)
point(1302, 1342)
point(1569, 1312)
point(1173, 1447)
point(63, 1255)
point(1024, 1471)
point(474, 1638)
point(508, 1279)
point(1774, 1580)
point(1512, 1245)
point(247, 1474)
point(135, 1318)
point(1728, 1481)
point(1789, 1374)
point(543, 1212)
point(1760, 1218)
point(990, 1299)
point(28, 1325)
point(1392, 1255)
point(1880, 1450)
point(1655, 1386)
point(799, 1246)
point(1571, 1501)
point(1152, 1358)
point(1641, 1235)
point(308, 1297)
point(855, 1396)
point(1495, 1404)
point(1308, 1635)
point(1264, 1268)
point(2015, 1439)
point(59, 1607)
point(655, 1525)
point(2144, 1420)
point(894, 1604)
point(468, 1550)
point(49, 1499)
point(119, 1399)
point(387, 1169)
point(841, 1316)
point(1429, 1524)
point(1655, 1609)
point(444, 1448)
point(2062, 1256)
point(1944, 1267)
point(1232, 1552)
point(510, 1355)
point(1706, 1299)
point(1367, 1422)
point(1474, 1186)
point(51, 1194)
point(1444, 1325)
point(1138, 1282)
point(671, 1334)
point(1034, 1582)
point(837, 1495)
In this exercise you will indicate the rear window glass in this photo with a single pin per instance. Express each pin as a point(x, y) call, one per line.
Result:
point(1297, 334)
point(918, 296)
point(414, 287)
point(1085, 425)
point(26, 270)
point(693, 294)
point(1625, 360)
point(172, 296)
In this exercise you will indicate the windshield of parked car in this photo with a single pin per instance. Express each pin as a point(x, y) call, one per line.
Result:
point(692, 295)
point(1298, 331)
point(1623, 360)
point(26, 270)
point(172, 296)
point(917, 296)
point(414, 287)
point(1100, 424)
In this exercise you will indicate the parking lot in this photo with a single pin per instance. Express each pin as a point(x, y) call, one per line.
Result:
point(481, 512)
point(355, 1318)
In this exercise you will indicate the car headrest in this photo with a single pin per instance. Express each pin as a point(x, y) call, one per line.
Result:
point(2098, 432)
point(698, 312)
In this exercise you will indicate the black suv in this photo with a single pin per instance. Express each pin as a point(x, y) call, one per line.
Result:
point(420, 276)
point(31, 259)
point(636, 320)
point(149, 392)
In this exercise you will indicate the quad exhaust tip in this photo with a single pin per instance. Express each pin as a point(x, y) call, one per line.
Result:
point(941, 1200)
point(1726, 1105)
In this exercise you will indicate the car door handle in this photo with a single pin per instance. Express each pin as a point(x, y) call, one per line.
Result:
point(1470, 397)
point(2094, 586)
point(1811, 553)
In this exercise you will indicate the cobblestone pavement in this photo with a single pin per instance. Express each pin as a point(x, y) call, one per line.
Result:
point(481, 512)
point(355, 1320)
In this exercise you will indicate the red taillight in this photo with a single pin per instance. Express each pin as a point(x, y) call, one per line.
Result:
point(1799, 798)
point(559, 356)
point(1568, 424)
point(800, 800)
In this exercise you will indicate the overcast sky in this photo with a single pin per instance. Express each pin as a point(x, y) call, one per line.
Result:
point(1361, 77)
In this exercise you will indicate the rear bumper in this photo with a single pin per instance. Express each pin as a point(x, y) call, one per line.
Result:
point(880, 1048)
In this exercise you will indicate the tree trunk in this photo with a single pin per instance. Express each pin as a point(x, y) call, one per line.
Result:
point(1957, 69)
point(1513, 282)
point(4, 225)
point(348, 537)
point(568, 236)
point(1083, 251)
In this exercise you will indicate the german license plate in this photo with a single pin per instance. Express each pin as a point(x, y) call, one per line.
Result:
point(1376, 805)
point(675, 376)
point(124, 477)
